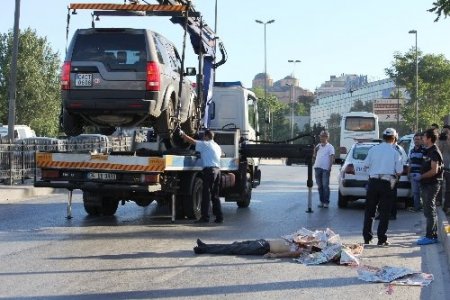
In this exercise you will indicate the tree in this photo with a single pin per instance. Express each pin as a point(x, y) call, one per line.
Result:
point(38, 93)
point(277, 119)
point(358, 105)
point(334, 124)
point(434, 86)
point(440, 7)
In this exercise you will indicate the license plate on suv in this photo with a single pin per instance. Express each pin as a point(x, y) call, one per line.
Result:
point(101, 176)
point(83, 80)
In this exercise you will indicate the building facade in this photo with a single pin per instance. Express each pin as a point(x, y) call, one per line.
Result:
point(342, 102)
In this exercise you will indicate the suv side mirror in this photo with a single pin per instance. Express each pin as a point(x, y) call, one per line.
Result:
point(190, 71)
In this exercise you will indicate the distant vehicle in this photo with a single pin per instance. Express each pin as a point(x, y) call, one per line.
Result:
point(123, 77)
point(357, 126)
point(20, 132)
point(353, 179)
point(407, 142)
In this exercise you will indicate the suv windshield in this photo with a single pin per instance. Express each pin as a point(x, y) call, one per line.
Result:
point(360, 152)
point(116, 50)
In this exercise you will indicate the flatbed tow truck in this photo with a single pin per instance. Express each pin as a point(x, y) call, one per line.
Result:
point(149, 172)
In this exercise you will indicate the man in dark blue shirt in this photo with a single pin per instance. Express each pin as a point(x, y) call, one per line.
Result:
point(415, 164)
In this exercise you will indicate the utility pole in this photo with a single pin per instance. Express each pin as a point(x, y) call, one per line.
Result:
point(417, 82)
point(265, 63)
point(12, 88)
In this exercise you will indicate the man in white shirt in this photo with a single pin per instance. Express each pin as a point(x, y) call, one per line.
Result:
point(384, 164)
point(324, 158)
point(210, 153)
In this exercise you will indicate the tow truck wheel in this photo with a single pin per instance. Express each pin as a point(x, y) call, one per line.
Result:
point(109, 206)
point(342, 200)
point(91, 204)
point(244, 200)
point(192, 204)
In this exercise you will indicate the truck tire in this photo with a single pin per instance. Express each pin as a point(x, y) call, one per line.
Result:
point(109, 206)
point(91, 204)
point(72, 126)
point(244, 200)
point(96, 205)
point(342, 200)
point(192, 203)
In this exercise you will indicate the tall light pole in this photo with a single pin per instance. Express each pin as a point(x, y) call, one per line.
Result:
point(294, 61)
point(292, 87)
point(417, 82)
point(265, 56)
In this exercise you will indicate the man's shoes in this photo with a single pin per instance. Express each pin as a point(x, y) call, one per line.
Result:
point(199, 250)
point(325, 205)
point(200, 243)
point(367, 242)
point(383, 244)
point(321, 205)
point(201, 221)
point(426, 241)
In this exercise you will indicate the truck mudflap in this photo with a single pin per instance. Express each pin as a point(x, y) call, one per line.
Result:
point(99, 187)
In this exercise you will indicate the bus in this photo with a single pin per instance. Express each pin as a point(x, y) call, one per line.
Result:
point(356, 126)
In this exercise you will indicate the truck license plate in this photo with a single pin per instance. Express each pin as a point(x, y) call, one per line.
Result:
point(101, 176)
point(83, 80)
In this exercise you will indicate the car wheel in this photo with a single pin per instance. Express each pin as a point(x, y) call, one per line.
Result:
point(72, 126)
point(342, 200)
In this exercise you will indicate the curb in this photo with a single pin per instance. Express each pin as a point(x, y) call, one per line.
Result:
point(11, 194)
point(444, 235)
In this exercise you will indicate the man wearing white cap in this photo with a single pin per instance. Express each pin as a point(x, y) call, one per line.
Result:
point(384, 165)
point(324, 158)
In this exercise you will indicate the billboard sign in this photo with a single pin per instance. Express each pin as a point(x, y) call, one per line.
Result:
point(388, 110)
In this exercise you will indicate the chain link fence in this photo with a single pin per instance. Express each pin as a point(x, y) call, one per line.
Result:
point(17, 160)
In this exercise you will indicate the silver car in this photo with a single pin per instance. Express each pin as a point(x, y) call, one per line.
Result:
point(115, 77)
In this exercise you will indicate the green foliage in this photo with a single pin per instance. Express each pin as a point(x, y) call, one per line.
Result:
point(440, 7)
point(434, 86)
point(334, 128)
point(38, 93)
point(358, 105)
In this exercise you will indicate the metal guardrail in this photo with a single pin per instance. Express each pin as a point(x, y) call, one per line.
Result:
point(17, 161)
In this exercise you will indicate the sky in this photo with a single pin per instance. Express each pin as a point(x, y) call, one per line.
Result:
point(329, 37)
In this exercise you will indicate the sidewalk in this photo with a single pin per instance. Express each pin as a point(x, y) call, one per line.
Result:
point(16, 193)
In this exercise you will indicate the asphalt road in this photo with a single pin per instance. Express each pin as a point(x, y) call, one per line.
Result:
point(140, 254)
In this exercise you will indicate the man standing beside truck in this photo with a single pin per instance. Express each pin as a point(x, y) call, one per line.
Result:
point(324, 155)
point(210, 153)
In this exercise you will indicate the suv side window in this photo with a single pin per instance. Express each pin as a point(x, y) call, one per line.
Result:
point(174, 58)
point(159, 50)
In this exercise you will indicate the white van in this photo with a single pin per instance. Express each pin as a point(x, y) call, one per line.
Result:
point(20, 132)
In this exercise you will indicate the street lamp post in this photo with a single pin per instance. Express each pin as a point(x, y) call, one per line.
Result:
point(292, 87)
point(417, 81)
point(265, 56)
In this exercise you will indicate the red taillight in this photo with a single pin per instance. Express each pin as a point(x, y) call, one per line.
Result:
point(350, 169)
point(65, 76)
point(153, 78)
point(342, 150)
point(49, 174)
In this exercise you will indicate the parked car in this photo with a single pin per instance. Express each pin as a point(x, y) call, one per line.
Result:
point(353, 179)
point(407, 142)
point(123, 77)
point(20, 132)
